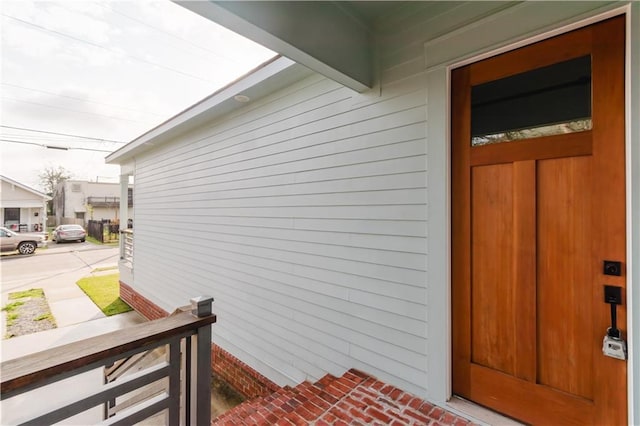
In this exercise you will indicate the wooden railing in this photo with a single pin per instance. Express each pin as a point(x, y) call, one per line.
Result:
point(187, 372)
point(126, 247)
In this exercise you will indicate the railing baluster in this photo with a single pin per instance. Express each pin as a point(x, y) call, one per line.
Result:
point(126, 247)
point(174, 382)
point(188, 383)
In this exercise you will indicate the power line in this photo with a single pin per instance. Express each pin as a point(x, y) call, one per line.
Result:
point(47, 138)
point(58, 33)
point(63, 148)
point(37, 137)
point(185, 40)
point(79, 99)
point(74, 110)
point(61, 134)
point(54, 139)
point(22, 142)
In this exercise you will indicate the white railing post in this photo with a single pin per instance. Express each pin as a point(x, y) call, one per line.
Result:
point(126, 244)
point(124, 209)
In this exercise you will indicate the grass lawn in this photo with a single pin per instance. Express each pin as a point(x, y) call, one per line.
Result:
point(34, 292)
point(105, 293)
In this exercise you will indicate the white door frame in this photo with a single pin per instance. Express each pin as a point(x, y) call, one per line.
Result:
point(511, 28)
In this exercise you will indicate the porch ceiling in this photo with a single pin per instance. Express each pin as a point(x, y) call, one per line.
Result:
point(336, 39)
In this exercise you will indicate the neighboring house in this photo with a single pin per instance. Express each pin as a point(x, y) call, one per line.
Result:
point(397, 196)
point(78, 201)
point(22, 209)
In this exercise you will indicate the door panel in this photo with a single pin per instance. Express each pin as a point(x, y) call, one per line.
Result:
point(493, 313)
point(563, 269)
point(532, 222)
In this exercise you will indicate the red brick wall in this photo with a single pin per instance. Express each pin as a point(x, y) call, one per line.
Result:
point(239, 375)
point(144, 306)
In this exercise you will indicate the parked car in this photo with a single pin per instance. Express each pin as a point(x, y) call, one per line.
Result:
point(69, 233)
point(24, 243)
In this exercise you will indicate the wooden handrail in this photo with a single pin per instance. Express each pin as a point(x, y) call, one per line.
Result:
point(187, 336)
point(21, 373)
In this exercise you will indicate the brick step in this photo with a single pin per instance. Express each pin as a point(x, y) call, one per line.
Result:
point(355, 398)
point(376, 403)
point(245, 412)
point(298, 405)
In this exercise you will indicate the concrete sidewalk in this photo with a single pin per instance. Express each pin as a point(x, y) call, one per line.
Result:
point(77, 318)
point(69, 304)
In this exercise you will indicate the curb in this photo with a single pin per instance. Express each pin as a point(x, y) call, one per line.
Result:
point(49, 251)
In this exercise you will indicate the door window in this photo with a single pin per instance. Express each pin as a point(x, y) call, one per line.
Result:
point(545, 101)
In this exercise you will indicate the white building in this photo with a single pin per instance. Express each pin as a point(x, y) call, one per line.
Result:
point(22, 208)
point(352, 215)
point(78, 201)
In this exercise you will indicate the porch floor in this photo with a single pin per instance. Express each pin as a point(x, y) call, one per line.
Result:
point(353, 399)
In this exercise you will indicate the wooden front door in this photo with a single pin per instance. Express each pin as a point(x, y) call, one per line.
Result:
point(534, 215)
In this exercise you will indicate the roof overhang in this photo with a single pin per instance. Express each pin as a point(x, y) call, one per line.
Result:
point(275, 74)
point(325, 36)
point(22, 204)
point(26, 188)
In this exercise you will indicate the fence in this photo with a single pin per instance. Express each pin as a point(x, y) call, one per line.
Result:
point(104, 230)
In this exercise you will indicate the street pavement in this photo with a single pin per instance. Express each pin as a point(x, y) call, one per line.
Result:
point(56, 270)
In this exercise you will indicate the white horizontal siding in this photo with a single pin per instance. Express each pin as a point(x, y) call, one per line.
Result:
point(292, 285)
point(337, 153)
point(304, 214)
point(380, 256)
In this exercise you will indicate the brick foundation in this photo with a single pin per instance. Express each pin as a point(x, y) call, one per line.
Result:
point(141, 304)
point(239, 375)
point(236, 373)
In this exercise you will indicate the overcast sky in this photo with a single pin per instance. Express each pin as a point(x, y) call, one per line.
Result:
point(109, 70)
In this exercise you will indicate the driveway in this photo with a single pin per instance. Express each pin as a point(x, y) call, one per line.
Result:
point(54, 247)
